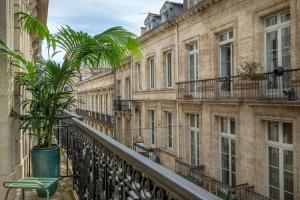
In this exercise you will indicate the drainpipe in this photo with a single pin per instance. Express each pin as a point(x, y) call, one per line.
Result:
point(177, 103)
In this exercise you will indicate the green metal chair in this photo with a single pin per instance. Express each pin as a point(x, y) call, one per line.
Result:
point(30, 183)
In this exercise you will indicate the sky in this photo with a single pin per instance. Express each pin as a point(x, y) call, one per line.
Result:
point(95, 16)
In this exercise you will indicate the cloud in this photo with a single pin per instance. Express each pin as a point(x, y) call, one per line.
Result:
point(95, 16)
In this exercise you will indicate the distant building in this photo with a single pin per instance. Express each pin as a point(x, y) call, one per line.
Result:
point(191, 103)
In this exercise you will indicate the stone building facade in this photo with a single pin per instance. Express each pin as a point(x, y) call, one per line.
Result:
point(190, 101)
point(13, 145)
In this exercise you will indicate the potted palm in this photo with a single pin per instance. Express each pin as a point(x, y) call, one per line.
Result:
point(48, 84)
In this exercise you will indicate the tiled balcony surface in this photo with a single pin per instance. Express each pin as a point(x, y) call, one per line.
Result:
point(66, 186)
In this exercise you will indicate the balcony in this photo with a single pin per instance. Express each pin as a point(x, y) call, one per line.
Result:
point(122, 105)
point(101, 117)
point(197, 176)
point(106, 169)
point(150, 153)
point(264, 87)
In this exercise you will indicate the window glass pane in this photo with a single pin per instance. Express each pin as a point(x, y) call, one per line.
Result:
point(224, 123)
point(223, 37)
point(225, 176)
point(288, 160)
point(232, 125)
point(225, 60)
point(274, 193)
point(274, 176)
point(286, 47)
point(225, 145)
point(271, 50)
point(285, 17)
point(192, 120)
point(287, 133)
point(288, 196)
point(273, 157)
point(233, 163)
point(169, 69)
point(288, 182)
point(273, 134)
point(225, 161)
point(233, 180)
point(230, 34)
point(271, 21)
point(233, 147)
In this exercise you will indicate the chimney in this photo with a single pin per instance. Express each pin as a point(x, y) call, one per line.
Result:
point(143, 30)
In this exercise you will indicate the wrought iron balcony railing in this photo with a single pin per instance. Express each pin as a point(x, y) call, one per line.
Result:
point(104, 118)
point(122, 105)
point(263, 86)
point(106, 169)
point(196, 175)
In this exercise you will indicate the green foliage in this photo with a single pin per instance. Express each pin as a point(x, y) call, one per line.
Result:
point(249, 70)
point(48, 84)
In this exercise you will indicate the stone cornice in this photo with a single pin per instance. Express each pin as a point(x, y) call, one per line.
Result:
point(177, 19)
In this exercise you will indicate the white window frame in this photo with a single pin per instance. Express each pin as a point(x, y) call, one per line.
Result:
point(127, 88)
point(228, 40)
point(152, 127)
point(170, 128)
point(281, 146)
point(151, 66)
point(169, 70)
point(138, 76)
point(230, 137)
point(194, 129)
point(278, 27)
point(139, 122)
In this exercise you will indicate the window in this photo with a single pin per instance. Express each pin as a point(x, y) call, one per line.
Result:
point(151, 76)
point(152, 126)
point(280, 160)
point(138, 76)
point(168, 69)
point(193, 66)
point(278, 41)
point(194, 139)
point(228, 150)
point(139, 122)
point(170, 129)
point(127, 89)
point(277, 50)
point(119, 88)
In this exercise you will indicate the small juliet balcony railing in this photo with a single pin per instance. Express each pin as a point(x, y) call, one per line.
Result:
point(262, 86)
point(196, 175)
point(106, 169)
point(122, 105)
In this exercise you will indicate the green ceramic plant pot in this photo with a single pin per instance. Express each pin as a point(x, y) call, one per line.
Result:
point(46, 163)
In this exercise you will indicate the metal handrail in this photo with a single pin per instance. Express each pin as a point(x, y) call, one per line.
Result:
point(161, 176)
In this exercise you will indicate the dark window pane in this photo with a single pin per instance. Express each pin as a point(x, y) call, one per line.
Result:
point(232, 126)
point(288, 196)
point(224, 125)
point(225, 176)
point(233, 147)
point(225, 145)
point(274, 176)
point(288, 182)
point(273, 131)
point(225, 161)
point(274, 193)
point(288, 160)
point(273, 157)
point(287, 133)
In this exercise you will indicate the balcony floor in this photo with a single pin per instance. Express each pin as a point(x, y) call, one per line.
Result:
point(66, 186)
